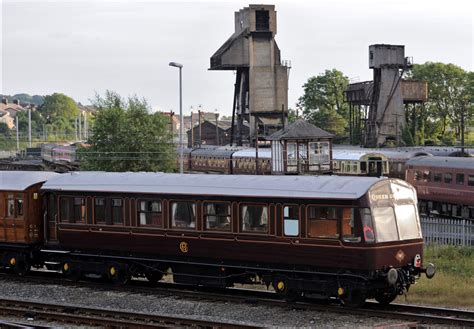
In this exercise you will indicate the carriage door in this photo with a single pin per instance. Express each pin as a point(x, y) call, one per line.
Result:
point(51, 217)
point(14, 221)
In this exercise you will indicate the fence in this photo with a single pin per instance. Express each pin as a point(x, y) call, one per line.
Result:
point(447, 231)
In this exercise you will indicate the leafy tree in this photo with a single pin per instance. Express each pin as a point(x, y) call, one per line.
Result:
point(59, 106)
point(127, 137)
point(449, 96)
point(323, 101)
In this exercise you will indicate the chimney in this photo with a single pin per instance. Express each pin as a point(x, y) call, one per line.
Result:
point(16, 102)
point(4, 100)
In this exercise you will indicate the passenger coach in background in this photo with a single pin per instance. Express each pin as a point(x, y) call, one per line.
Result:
point(347, 237)
point(445, 185)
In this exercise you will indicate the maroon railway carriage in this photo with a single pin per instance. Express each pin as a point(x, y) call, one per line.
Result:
point(356, 237)
point(445, 185)
point(21, 217)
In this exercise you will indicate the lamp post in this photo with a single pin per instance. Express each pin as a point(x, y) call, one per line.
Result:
point(180, 66)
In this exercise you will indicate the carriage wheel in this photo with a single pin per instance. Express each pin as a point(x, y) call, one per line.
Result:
point(71, 270)
point(282, 287)
point(385, 297)
point(118, 273)
point(19, 264)
point(354, 297)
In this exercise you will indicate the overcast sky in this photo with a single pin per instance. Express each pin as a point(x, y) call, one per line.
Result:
point(83, 47)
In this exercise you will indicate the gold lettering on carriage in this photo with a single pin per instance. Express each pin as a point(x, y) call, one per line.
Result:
point(377, 197)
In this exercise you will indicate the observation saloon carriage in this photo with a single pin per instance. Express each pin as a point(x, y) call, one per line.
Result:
point(327, 236)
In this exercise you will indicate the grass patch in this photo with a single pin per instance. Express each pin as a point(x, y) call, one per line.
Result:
point(453, 284)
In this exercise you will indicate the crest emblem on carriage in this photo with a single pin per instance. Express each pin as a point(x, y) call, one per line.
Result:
point(400, 256)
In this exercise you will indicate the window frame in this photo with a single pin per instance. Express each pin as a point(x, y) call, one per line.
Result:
point(146, 212)
point(170, 215)
point(298, 219)
point(460, 181)
point(241, 219)
point(309, 219)
point(112, 216)
point(205, 216)
point(104, 222)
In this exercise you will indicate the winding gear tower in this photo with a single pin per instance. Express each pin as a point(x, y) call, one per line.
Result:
point(261, 86)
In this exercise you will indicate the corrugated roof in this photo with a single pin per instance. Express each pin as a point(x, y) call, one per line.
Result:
point(21, 180)
point(443, 162)
point(300, 129)
point(328, 187)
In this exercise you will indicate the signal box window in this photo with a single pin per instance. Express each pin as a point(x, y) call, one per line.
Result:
point(448, 178)
point(117, 211)
point(149, 213)
point(217, 216)
point(183, 214)
point(323, 222)
point(291, 221)
point(470, 180)
point(99, 210)
point(460, 179)
point(254, 218)
point(79, 210)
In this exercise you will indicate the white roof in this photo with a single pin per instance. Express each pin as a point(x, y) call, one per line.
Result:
point(21, 180)
point(355, 155)
point(250, 153)
point(332, 187)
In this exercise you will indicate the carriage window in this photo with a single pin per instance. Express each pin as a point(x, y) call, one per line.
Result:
point(291, 221)
point(322, 222)
point(117, 211)
point(65, 209)
point(217, 216)
point(367, 225)
point(149, 213)
point(363, 166)
point(79, 210)
point(99, 210)
point(19, 207)
point(437, 177)
point(448, 178)
point(254, 218)
point(385, 224)
point(10, 206)
point(407, 222)
point(470, 180)
point(460, 179)
point(350, 231)
point(417, 175)
point(427, 175)
point(183, 214)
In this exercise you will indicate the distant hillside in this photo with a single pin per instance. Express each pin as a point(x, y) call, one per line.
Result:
point(25, 98)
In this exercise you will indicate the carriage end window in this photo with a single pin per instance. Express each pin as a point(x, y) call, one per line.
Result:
point(217, 216)
point(183, 214)
point(322, 222)
point(149, 213)
point(254, 218)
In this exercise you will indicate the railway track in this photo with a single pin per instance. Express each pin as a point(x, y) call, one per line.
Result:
point(100, 317)
point(411, 313)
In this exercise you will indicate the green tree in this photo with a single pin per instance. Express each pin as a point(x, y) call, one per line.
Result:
point(449, 96)
point(323, 101)
point(59, 106)
point(127, 137)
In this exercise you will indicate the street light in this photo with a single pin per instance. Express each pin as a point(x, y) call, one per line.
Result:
point(180, 66)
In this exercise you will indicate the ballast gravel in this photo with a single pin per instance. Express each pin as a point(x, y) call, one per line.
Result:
point(177, 306)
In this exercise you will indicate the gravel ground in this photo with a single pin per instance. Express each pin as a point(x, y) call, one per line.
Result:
point(239, 313)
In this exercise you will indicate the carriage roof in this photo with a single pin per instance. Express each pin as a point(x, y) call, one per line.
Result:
point(21, 180)
point(442, 162)
point(327, 187)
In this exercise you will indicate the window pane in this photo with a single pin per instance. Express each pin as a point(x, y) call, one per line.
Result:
point(99, 211)
point(470, 180)
point(10, 208)
point(427, 175)
point(117, 212)
point(407, 222)
point(217, 216)
point(367, 225)
point(291, 227)
point(350, 233)
point(254, 218)
point(65, 209)
point(79, 210)
point(448, 177)
point(460, 179)
point(437, 177)
point(385, 224)
point(322, 222)
point(313, 153)
point(183, 214)
point(291, 154)
point(149, 213)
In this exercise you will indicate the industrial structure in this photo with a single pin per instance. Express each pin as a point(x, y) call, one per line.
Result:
point(261, 86)
point(377, 112)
